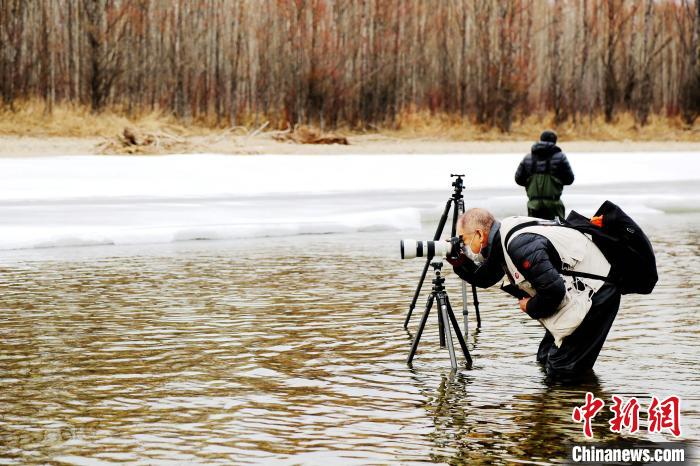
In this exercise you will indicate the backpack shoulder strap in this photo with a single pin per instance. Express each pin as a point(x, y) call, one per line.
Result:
point(517, 228)
point(571, 273)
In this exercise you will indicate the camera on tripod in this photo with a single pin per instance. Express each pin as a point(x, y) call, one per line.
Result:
point(438, 250)
point(410, 248)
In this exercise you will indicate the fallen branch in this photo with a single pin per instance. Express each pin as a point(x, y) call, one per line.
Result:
point(132, 141)
point(257, 131)
point(306, 135)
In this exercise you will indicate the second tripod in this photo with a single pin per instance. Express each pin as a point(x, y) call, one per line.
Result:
point(455, 204)
point(446, 318)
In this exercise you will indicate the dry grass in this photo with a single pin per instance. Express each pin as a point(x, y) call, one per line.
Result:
point(425, 125)
point(67, 120)
point(166, 133)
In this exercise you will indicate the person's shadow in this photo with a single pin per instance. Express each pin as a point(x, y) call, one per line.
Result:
point(547, 425)
point(475, 428)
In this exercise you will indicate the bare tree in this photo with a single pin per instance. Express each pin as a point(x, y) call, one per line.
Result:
point(103, 23)
point(690, 92)
point(360, 63)
point(555, 64)
point(12, 18)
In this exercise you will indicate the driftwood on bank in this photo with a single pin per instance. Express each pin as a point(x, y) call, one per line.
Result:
point(307, 135)
point(133, 141)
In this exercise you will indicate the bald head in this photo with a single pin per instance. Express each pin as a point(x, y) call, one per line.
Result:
point(474, 226)
point(476, 219)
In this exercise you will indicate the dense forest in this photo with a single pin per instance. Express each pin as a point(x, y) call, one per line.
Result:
point(355, 62)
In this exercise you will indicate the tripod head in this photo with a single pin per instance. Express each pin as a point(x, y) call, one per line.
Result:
point(458, 184)
point(439, 279)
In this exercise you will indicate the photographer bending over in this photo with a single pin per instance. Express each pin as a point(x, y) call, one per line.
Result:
point(576, 312)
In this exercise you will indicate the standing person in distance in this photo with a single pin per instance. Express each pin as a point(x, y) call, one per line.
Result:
point(544, 172)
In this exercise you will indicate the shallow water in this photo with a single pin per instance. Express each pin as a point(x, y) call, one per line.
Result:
point(291, 350)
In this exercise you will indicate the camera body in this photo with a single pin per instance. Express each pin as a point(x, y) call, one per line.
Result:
point(456, 247)
point(410, 248)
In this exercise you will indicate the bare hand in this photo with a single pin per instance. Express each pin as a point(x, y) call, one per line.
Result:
point(523, 303)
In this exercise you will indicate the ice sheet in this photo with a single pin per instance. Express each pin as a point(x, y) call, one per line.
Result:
point(94, 177)
point(84, 200)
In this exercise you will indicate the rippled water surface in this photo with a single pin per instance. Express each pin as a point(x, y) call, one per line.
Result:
point(291, 350)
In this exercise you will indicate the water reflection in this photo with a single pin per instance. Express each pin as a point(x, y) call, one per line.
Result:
point(218, 353)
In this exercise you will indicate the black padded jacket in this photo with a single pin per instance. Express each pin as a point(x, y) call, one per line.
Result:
point(536, 162)
point(535, 257)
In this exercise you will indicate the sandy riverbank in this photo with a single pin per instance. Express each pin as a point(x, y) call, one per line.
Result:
point(18, 146)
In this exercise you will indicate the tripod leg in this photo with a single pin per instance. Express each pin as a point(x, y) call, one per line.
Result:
point(458, 209)
point(443, 220)
point(438, 234)
point(465, 311)
point(457, 212)
point(462, 343)
point(476, 307)
point(441, 329)
point(417, 292)
point(416, 339)
point(442, 309)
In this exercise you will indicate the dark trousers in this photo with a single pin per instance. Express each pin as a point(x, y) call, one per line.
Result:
point(579, 351)
point(545, 208)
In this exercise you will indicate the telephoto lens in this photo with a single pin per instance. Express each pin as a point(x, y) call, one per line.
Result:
point(410, 248)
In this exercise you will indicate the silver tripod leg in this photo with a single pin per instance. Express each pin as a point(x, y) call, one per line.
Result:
point(442, 312)
point(464, 308)
point(465, 311)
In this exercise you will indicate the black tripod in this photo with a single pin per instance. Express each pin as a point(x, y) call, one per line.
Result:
point(456, 204)
point(445, 317)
